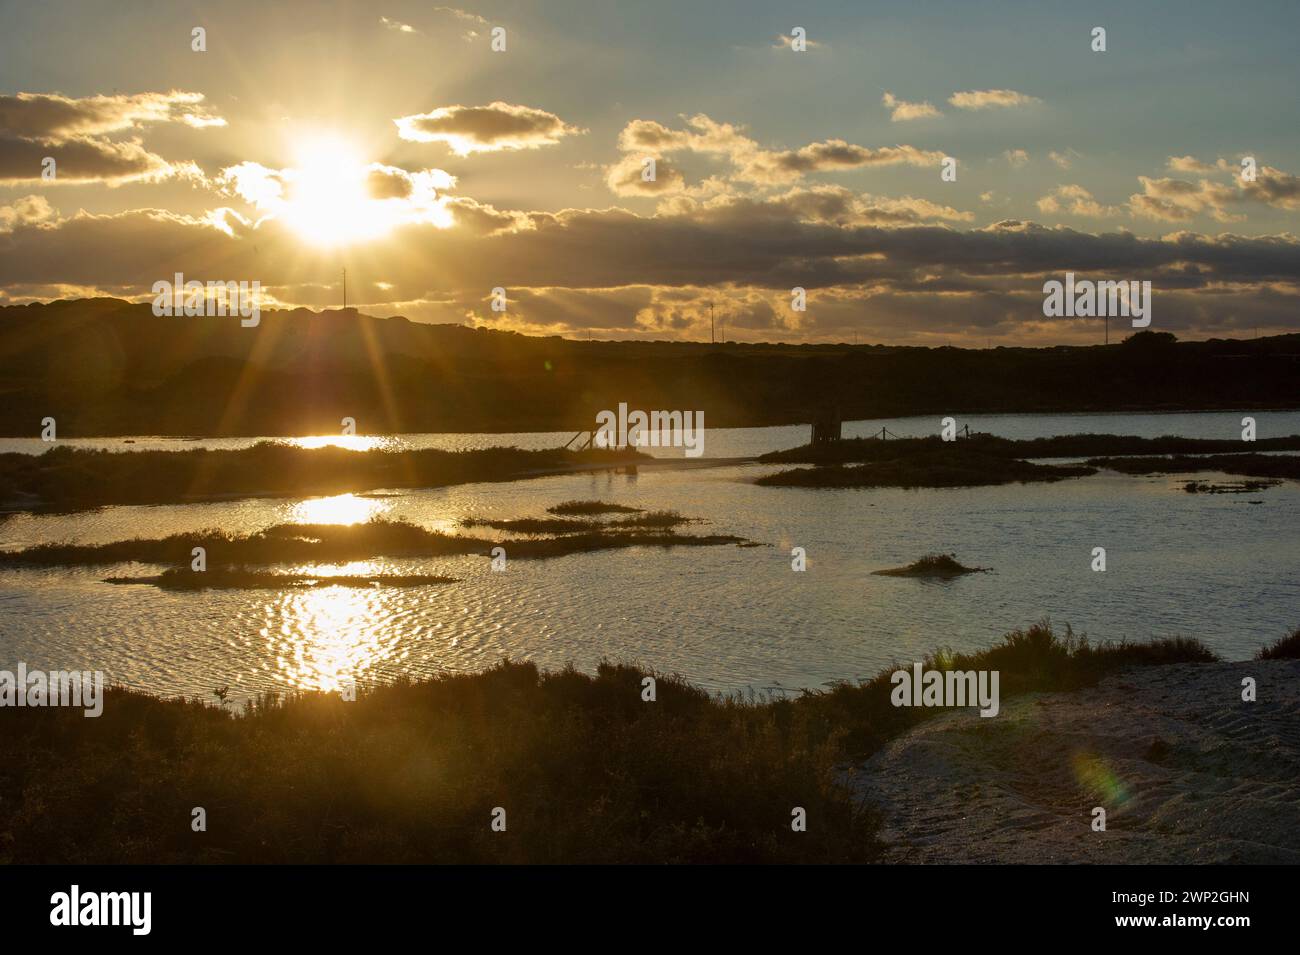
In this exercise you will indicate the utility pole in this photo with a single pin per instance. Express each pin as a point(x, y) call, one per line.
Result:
point(712, 338)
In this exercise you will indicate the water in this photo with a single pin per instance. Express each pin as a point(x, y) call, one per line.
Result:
point(744, 442)
point(1217, 567)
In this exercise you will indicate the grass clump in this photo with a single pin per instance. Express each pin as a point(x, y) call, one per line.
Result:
point(341, 543)
point(238, 578)
point(1031, 660)
point(561, 525)
point(1231, 487)
point(581, 543)
point(1246, 465)
point(933, 468)
point(1286, 648)
point(590, 507)
point(68, 478)
point(869, 450)
point(282, 543)
point(932, 565)
point(532, 525)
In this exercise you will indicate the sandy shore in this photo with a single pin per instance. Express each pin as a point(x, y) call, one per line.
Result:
point(1187, 772)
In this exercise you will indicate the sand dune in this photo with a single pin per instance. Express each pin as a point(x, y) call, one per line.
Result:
point(1187, 772)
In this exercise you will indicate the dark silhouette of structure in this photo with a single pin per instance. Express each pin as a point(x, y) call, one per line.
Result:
point(827, 426)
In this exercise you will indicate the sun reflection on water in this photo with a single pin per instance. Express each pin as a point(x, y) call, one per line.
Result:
point(339, 509)
point(327, 637)
point(350, 442)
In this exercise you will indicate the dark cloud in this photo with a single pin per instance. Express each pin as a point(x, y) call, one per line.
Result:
point(83, 159)
point(613, 270)
point(497, 126)
point(34, 126)
point(51, 116)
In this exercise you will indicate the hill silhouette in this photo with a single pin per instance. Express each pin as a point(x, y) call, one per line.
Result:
point(108, 367)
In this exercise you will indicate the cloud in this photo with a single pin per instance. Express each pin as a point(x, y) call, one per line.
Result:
point(627, 177)
point(1065, 160)
point(492, 128)
point(819, 239)
point(903, 111)
point(463, 15)
point(85, 159)
point(838, 206)
point(1178, 200)
point(50, 116)
point(27, 211)
point(1074, 200)
point(37, 126)
point(396, 26)
point(986, 99)
point(480, 218)
point(783, 42)
point(753, 165)
point(387, 196)
point(1016, 157)
point(1272, 187)
point(787, 165)
point(1188, 164)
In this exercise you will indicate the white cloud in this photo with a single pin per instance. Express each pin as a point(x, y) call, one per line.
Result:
point(902, 111)
point(986, 99)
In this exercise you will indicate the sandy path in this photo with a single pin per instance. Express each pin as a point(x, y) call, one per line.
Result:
point(1186, 770)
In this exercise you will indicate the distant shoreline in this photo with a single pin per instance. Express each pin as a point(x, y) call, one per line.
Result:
point(300, 373)
point(8, 433)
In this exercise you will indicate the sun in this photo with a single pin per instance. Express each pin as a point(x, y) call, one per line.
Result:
point(327, 200)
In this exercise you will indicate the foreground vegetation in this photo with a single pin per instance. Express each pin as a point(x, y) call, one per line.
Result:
point(67, 478)
point(1287, 648)
point(586, 770)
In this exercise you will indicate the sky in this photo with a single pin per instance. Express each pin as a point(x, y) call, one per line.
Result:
point(392, 140)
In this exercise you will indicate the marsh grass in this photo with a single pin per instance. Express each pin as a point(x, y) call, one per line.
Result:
point(1233, 487)
point(282, 543)
point(932, 565)
point(560, 525)
point(931, 467)
point(76, 478)
point(238, 578)
point(1246, 465)
point(590, 507)
point(870, 450)
point(341, 543)
point(410, 772)
point(1286, 648)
